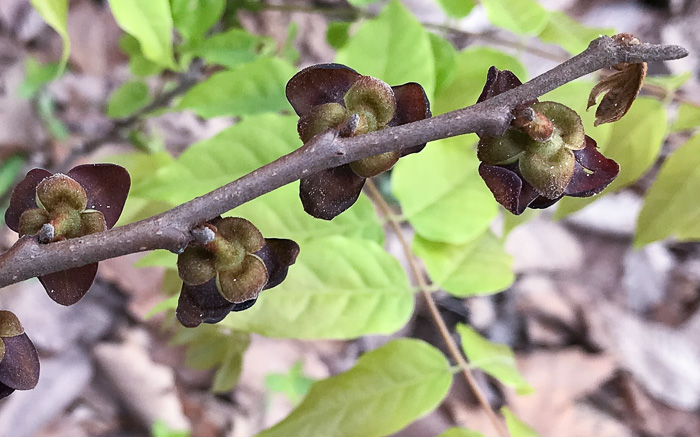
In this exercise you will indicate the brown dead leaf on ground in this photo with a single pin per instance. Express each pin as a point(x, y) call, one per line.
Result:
point(142, 285)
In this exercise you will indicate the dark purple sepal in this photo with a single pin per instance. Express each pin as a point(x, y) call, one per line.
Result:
point(604, 171)
point(278, 254)
point(24, 197)
point(19, 369)
point(508, 187)
point(319, 84)
point(411, 105)
point(242, 306)
point(69, 286)
point(107, 187)
point(5, 391)
point(498, 82)
point(201, 304)
point(330, 192)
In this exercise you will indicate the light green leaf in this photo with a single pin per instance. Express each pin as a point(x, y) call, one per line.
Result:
point(55, 13)
point(161, 429)
point(669, 207)
point(151, 23)
point(571, 35)
point(634, 143)
point(230, 49)
point(193, 18)
point(387, 389)
point(210, 346)
point(457, 8)
point(517, 427)
point(138, 64)
point(393, 47)
point(478, 267)
point(445, 57)
point(9, 170)
point(524, 17)
point(240, 149)
point(495, 359)
point(251, 88)
point(294, 385)
point(441, 193)
point(47, 112)
point(470, 76)
point(361, 3)
point(669, 82)
point(36, 75)
point(338, 33)
point(291, 54)
point(460, 432)
point(127, 99)
point(339, 288)
point(164, 305)
point(688, 118)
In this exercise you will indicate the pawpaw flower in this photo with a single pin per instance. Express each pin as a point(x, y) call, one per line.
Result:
point(333, 96)
point(19, 361)
point(228, 272)
point(543, 156)
point(87, 199)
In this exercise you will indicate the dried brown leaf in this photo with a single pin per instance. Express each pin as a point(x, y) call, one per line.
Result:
point(620, 88)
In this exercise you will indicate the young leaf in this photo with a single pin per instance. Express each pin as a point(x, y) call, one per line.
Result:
point(338, 34)
point(339, 288)
point(442, 194)
point(161, 429)
point(457, 8)
point(469, 77)
point(460, 432)
point(393, 47)
point(361, 3)
point(688, 118)
point(524, 17)
point(151, 23)
point(36, 75)
point(251, 88)
point(295, 385)
point(445, 57)
point(517, 427)
point(568, 33)
point(495, 359)
point(193, 18)
point(669, 207)
point(480, 266)
point(138, 64)
point(55, 12)
point(230, 49)
point(387, 389)
point(669, 82)
point(127, 99)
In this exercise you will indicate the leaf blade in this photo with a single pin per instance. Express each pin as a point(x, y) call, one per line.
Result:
point(55, 13)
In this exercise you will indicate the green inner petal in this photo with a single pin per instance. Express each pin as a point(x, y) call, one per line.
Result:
point(550, 173)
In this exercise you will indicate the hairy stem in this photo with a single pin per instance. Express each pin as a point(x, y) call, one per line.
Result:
point(171, 229)
point(426, 291)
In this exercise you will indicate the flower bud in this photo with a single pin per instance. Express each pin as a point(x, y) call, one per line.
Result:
point(371, 96)
point(374, 165)
point(61, 191)
point(320, 118)
point(548, 173)
point(31, 221)
point(92, 222)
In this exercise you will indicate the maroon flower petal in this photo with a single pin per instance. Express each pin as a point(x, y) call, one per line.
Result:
point(19, 369)
point(24, 197)
point(106, 185)
point(601, 171)
point(201, 304)
point(411, 105)
point(5, 391)
point(69, 286)
point(278, 254)
point(542, 202)
point(319, 84)
point(497, 82)
point(330, 192)
point(508, 187)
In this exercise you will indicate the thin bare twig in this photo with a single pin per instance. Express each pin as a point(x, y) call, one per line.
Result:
point(171, 229)
point(425, 289)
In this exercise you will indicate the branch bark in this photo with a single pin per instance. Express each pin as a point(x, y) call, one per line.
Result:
point(171, 230)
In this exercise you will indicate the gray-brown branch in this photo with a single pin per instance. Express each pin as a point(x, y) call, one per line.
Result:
point(171, 230)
